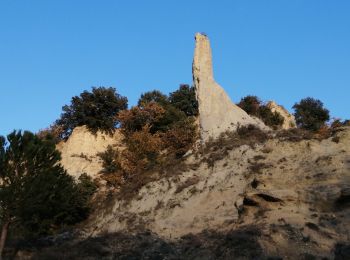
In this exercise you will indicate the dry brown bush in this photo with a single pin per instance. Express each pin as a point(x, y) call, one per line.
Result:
point(143, 150)
point(137, 117)
point(181, 137)
point(215, 150)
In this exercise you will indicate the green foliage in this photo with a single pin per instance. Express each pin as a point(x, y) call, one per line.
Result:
point(171, 116)
point(154, 96)
point(310, 114)
point(185, 100)
point(272, 119)
point(157, 129)
point(35, 191)
point(86, 187)
point(97, 110)
point(181, 137)
point(136, 118)
point(250, 104)
point(110, 160)
point(253, 106)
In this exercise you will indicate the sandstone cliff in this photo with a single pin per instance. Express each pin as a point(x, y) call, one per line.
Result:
point(79, 152)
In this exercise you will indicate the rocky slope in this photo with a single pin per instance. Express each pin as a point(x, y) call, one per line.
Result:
point(295, 192)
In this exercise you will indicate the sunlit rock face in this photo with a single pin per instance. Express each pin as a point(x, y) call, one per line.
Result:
point(80, 152)
point(289, 120)
point(217, 113)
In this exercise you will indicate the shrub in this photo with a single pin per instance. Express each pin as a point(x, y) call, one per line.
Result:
point(138, 117)
point(154, 96)
point(97, 110)
point(253, 106)
point(185, 100)
point(171, 116)
point(86, 186)
point(250, 104)
point(143, 149)
point(181, 137)
point(110, 160)
point(54, 132)
point(310, 114)
point(272, 119)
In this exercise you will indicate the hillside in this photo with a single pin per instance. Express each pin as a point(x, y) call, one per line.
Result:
point(194, 176)
point(290, 196)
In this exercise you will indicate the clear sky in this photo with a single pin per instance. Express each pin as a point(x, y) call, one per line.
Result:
point(282, 50)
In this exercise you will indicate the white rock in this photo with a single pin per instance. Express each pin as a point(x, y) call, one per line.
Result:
point(217, 113)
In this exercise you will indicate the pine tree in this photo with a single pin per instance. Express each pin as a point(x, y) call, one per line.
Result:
point(35, 191)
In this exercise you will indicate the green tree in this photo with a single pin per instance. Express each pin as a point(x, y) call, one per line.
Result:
point(310, 114)
point(36, 193)
point(185, 100)
point(154, 96)
point(97, 110)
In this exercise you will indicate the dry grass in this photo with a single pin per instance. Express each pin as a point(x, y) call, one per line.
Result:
point(218, 149)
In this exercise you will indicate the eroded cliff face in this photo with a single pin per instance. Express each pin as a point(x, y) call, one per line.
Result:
point(217, 113)
point(296, 193)
point(79, 152)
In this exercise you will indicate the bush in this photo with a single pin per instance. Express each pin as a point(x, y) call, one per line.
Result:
point(137, 117)
point(253, 106)
point(310, 114)
point(272, 119)
point(111, 162)
point(97, 110)
point(87, 187)
point(250, 104)
point(171, 116)
point(143, 149)
point(181, 137)
point(185, 100)
point(54, 132)
point(154, 96)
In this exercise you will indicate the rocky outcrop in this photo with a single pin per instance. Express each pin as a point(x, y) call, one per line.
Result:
point(289, 119)
point(79, 152)
point(217, 113)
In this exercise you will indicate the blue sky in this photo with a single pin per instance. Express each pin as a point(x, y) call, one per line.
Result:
point(282, 50)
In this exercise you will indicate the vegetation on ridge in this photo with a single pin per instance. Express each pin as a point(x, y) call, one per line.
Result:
point(158, 129)
point(97, 110)
point(254, 106)
point(310, 114)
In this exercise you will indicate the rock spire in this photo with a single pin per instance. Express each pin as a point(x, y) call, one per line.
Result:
point(217, 113)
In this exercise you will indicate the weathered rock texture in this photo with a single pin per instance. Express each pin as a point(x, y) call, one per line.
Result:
point(217, 113)
point(79, 152)
point(289, 120)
